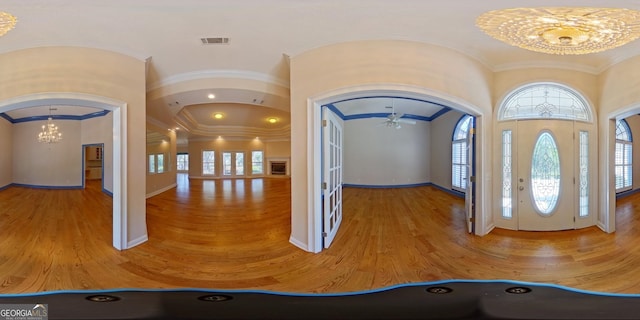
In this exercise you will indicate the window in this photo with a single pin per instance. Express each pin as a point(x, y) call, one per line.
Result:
point(459, 165)
point(208, 162)
point(156, 163)
point(226, 163)
point(545, 101)
point(623, 157)
point(152, 163)
point(584, 174)
point(160, 163)
point(257, 162)
point(183, 161)
point(545, 174)
point(507, 197)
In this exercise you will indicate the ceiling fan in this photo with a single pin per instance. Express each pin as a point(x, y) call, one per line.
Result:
point(394, 119)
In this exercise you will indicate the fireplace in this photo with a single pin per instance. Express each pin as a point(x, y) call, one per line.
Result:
point(278, 166)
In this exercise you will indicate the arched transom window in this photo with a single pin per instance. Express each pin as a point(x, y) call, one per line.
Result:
point(545, 101)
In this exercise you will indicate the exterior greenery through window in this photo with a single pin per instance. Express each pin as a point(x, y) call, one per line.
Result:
point(156, 163)
point(182, 161)
point(208, 162)
point(459, 165)
point(623, 156)
point(257, 162)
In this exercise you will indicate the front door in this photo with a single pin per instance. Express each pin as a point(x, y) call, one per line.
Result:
point(545, 175)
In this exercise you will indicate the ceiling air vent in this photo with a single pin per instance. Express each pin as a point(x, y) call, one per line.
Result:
point(214, 40)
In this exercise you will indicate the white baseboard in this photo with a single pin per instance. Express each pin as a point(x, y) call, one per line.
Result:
point(157, 192)
point(299, 244)
point(140, 240)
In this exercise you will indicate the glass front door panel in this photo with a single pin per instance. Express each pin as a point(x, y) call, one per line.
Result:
point(545, 174)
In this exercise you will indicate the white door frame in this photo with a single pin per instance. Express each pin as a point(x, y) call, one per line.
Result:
point(314, 150)
point(119, 109)
point(607, 137)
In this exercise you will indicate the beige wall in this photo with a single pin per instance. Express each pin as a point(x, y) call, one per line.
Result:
point(160, 182)
point(442, 133)
point(347, 68)
point(271, 149)
point(6, 158)
point(94, 72)
point(47, 165)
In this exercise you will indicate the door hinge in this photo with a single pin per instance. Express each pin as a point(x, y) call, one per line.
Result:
point(324, 185)
point(472, 178)
point(324, 123)
point(324, 234)
point(472, 219)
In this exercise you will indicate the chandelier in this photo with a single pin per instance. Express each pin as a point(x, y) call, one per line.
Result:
point(49, 132)
point(7, 22)
point(562, 30)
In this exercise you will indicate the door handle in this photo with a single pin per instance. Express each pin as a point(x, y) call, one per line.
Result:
point(520, 188)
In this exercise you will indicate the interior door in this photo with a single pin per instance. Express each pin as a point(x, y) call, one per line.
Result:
point(232, 164)
point(469, 196)
point(545, 175)
point(332, 174)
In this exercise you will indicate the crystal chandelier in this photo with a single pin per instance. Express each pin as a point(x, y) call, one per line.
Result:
point(7, 22)
point(562, 30)
point(49, 132)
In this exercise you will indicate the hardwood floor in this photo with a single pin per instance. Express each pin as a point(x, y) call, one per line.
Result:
point(233, 234)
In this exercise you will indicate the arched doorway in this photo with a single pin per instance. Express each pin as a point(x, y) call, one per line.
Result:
point(119, 109)
point(315, 178)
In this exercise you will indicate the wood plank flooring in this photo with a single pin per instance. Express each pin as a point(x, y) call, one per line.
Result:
point(233, 234)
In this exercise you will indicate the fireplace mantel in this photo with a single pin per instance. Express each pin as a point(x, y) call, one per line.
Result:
point(278, 159)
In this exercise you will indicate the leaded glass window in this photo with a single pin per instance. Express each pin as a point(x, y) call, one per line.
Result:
point(545, 101)
point(507, 197)
point(545, 174)
point(584, 174)
point(623, 156)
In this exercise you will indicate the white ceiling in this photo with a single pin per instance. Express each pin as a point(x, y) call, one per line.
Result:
point(263, 33)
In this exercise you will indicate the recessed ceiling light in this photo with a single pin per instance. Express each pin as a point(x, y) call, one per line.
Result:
point(217, 115)
point(272, 120)
point(211, 96)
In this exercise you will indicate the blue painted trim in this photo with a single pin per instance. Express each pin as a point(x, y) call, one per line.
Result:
point(406, 285)
point(55, 117)
point(336, 111)
point(107, 192)
point(436, 115)
point(6, 116)
point(385, 115)
point(33, 186)
point(626, 193)
point(394, 186)
point(5, 187)
point(390, 186)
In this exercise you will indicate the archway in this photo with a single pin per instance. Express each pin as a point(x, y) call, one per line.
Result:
point(119, 109)
point(314, 118)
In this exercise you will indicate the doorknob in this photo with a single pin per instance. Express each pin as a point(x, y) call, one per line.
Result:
point(520, 188)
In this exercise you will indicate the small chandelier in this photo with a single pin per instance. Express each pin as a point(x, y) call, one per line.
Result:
point(7, 22)
point(562, 30)
point(49, 132)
